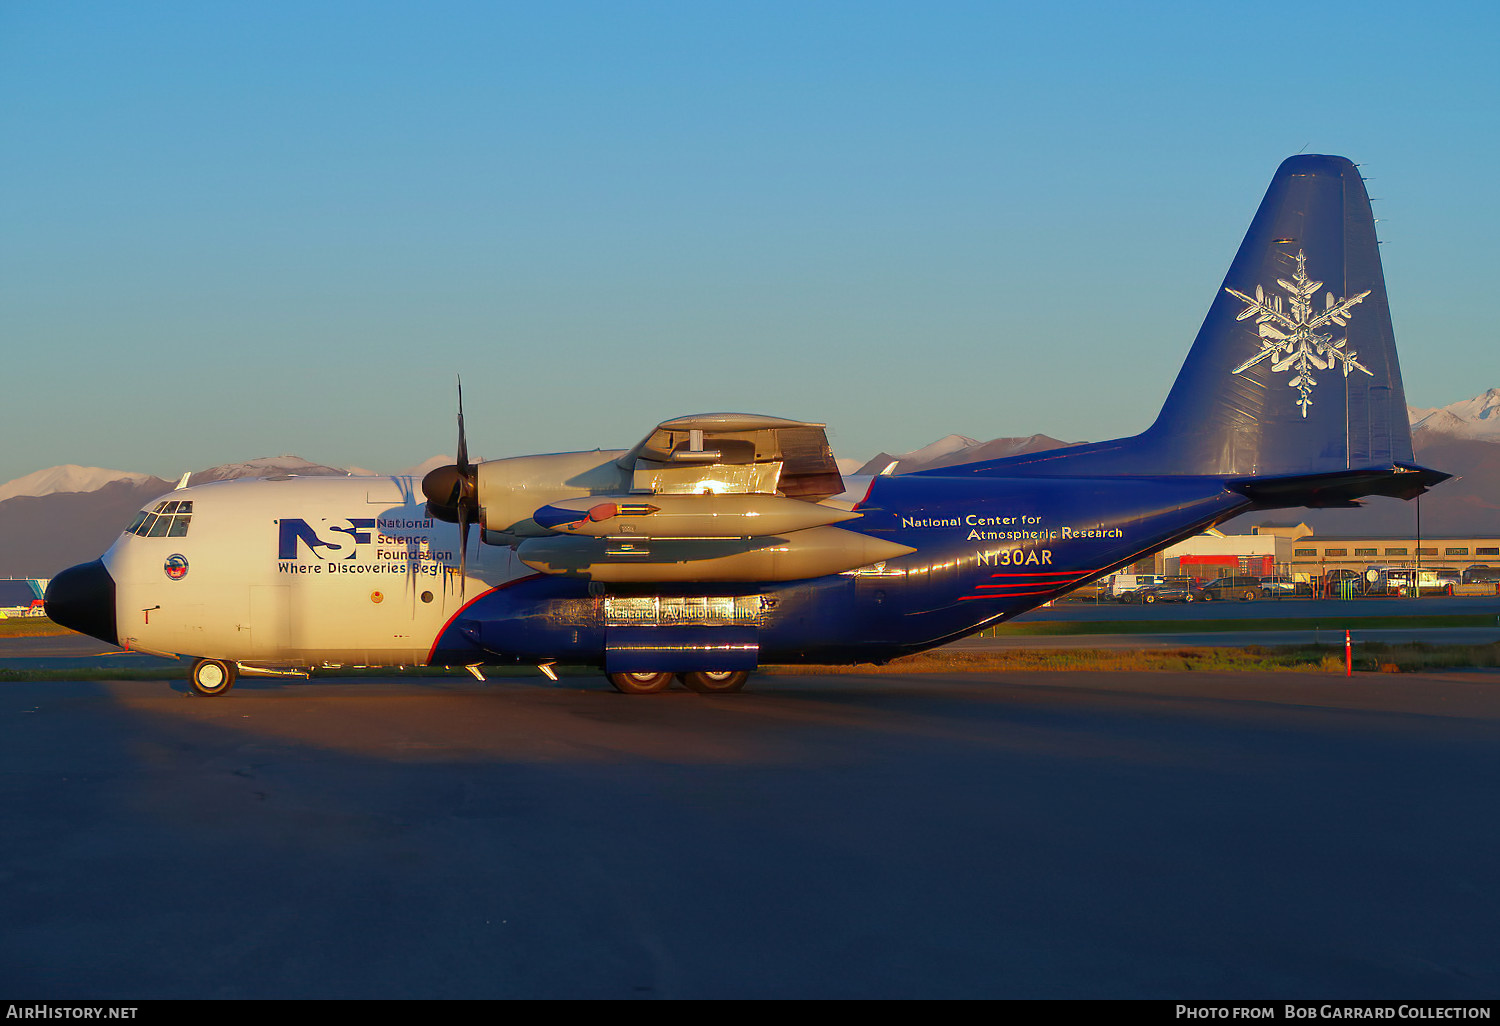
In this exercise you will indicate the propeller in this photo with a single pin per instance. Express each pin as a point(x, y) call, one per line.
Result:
point(453, 493)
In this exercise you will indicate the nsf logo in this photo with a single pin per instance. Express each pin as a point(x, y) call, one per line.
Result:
point(176, 566)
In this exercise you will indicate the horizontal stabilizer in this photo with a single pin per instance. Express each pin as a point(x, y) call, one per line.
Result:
point(1340, 488)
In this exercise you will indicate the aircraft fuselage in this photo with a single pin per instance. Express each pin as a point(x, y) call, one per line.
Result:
point(305, 571)
point(721, 542)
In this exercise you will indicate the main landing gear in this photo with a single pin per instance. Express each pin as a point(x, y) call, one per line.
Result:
point(217, 676)
point(705, 682)
point(212, 676)
point(640, 683)
point(714, 682)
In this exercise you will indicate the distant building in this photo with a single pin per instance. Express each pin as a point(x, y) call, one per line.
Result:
point(1317, 556)
point(21, 596)
point(1216, 554)
point(1291, 549)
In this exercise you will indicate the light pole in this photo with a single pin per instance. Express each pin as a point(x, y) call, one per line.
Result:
point(1418, 582)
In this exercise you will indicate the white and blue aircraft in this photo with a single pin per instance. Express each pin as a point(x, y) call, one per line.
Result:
point(721, 542)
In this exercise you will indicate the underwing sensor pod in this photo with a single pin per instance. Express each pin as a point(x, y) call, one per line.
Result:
point(723, 542)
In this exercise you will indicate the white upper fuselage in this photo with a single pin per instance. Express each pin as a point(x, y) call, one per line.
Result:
point(297, 571)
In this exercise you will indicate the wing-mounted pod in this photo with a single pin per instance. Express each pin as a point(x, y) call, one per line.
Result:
point(686, 516)
point(793, 556)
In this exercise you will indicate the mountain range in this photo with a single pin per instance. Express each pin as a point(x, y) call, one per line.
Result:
point(57, 517)
point(64, 515)
point(1462, 439)
point(1477, 418)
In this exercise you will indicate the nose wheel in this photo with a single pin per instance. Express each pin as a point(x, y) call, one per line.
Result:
point(212, 676)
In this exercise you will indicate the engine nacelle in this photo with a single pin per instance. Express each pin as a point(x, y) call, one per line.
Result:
point(511, 490)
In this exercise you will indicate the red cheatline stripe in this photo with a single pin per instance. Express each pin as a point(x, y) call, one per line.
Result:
point(1048, 573)
point(1023, 584)
point(1009, 594)
point(464, 608)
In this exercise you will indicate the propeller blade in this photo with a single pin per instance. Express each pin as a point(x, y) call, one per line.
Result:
point(463, 553)
point(463, 441)
point(453, 492)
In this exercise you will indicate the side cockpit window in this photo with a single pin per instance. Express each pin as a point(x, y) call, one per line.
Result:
point(167, 520)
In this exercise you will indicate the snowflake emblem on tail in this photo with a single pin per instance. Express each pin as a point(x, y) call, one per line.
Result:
point(1289, 335)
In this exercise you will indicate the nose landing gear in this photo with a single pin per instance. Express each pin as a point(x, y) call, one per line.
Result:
point(212, 676)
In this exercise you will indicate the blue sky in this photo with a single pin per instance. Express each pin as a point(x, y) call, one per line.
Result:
point(233, 230)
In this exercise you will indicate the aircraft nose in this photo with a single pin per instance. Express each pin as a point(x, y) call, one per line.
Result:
point(82, 598)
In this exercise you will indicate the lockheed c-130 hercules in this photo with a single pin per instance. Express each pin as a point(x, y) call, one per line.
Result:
point(722, 542)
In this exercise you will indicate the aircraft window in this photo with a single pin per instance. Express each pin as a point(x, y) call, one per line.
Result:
point(166, 520)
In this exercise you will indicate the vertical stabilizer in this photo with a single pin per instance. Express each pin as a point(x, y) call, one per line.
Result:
point(1294, 370)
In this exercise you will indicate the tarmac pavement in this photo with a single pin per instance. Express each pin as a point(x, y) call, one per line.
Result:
point(1120, 835)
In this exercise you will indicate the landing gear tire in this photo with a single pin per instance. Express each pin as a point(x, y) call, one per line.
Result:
point(640, 683)
point(714, 682)
point(212, 676)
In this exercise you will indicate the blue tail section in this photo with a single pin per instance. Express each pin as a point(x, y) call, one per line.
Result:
point(1294, 370)
point(1293, 375)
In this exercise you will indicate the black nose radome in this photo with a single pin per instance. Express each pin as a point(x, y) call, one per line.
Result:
point(82, 598)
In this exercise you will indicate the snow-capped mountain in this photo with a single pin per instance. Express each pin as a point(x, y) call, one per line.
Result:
point(54, 518)
point(1478, 417)
point(266, 466)
point(68, 478)
point(945, 446)
point(952, 450)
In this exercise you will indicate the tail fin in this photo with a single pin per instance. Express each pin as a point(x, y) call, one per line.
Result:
point(1293, 374)
point(1294, 370)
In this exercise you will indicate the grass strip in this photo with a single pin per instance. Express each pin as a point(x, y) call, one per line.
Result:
point(1053, 628)
point(1369, 657)
point(30, 627)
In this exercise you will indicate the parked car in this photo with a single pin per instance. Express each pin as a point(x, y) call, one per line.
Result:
point(1343, 583)
point(1172, 591)
point(1246, 589)
point(1121, 585)
point(1285, 587)
point(1482, 575)
point(1398, 580)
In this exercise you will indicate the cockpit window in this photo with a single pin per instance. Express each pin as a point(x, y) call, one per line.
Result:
point(166, 520)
